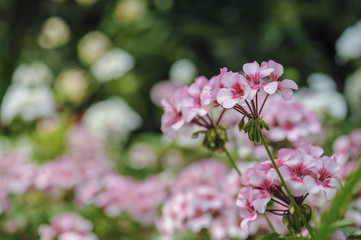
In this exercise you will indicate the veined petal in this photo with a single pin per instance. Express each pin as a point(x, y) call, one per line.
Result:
point(270, 88)
point(260, 204)
point(225, 98)
point(230, 78)
point(288, 84)
point(251, 68)
point(286, 93)
point(312, 186)
point(265, 72)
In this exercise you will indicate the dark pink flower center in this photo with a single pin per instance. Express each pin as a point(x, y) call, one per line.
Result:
point(237, 91)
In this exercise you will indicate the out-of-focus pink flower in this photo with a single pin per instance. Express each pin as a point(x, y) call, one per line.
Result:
point(209, 93)
point(173, 120)
point(204, 172)
point(290, 121)
point(67, 226)
point(348, 147)
point(250, 201)
point(195, 209)
point(162, 90)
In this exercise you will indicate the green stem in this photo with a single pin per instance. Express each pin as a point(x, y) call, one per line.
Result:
point(307, 225)
point(269, 223)
point(233, 163)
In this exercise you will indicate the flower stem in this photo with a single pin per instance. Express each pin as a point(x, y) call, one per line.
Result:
point(269, 223)
point(233, 163)
point(307, 225)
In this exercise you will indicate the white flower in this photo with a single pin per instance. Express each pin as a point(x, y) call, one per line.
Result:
point(73, 83)
point(182, 72)
point(348, 46)
point(353, 90)
point(27, 103)
point(92, 46)
point(322, 96)
point(111, 118)
point(55, 33)
point(36, 73)
point(113, 64)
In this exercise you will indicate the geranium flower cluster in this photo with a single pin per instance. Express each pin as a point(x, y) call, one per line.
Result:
point(305, 172)
point(291, 121)
point(67, 226)
point(16, 177)
point(192, 106)
point(116, 194)
point(200, 201)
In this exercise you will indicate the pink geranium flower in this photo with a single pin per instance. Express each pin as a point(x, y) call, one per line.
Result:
point(324, 180)
point(172, 119)
point(255, 74)
point(250, 201)
point(286, 86)
point(235, 90)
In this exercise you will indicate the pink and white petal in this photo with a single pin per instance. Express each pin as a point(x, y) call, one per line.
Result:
point(251, 68)
point(278, 68)
point(330, 192)
point(260, 204)
point(270, 88)
point(311, 183)
point(277, 134)
point(286, 93)
point(266, 72)
point(297, 186)
point(230, 78)
point(245, 222)
point(177, 125)
point(256, 179)
point(288, 84)
point(225, 98)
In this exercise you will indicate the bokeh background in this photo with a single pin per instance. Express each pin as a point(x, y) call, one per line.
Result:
point(70, 61)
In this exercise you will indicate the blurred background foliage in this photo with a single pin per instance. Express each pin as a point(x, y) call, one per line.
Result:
point(211, 34)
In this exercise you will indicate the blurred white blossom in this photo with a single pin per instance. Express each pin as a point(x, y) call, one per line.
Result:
point(113, 64)
point(55, 33)
point(182, 72)
point(92, 46)
point(129, 10)
point(348, 46)
point(32, 74)
point(322, 96)
point(73, 83)
point(353, 90)
point(27, 103)
point(111, 119)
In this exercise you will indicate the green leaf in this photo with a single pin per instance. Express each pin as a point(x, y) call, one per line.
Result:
point(342, 223)
point(271, 236)
point(348, 231)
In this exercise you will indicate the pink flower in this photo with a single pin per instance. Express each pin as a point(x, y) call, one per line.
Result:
point(250, 201)
point(67, 226)
point(324, 180)
point(213, 171)
point(255, 74)
point(284, 87)
point(290, 121)
point(162, 90)
point(295, 170)
point(235, 90)
point(209, 93)
point(193, 107)
point(172, 119)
